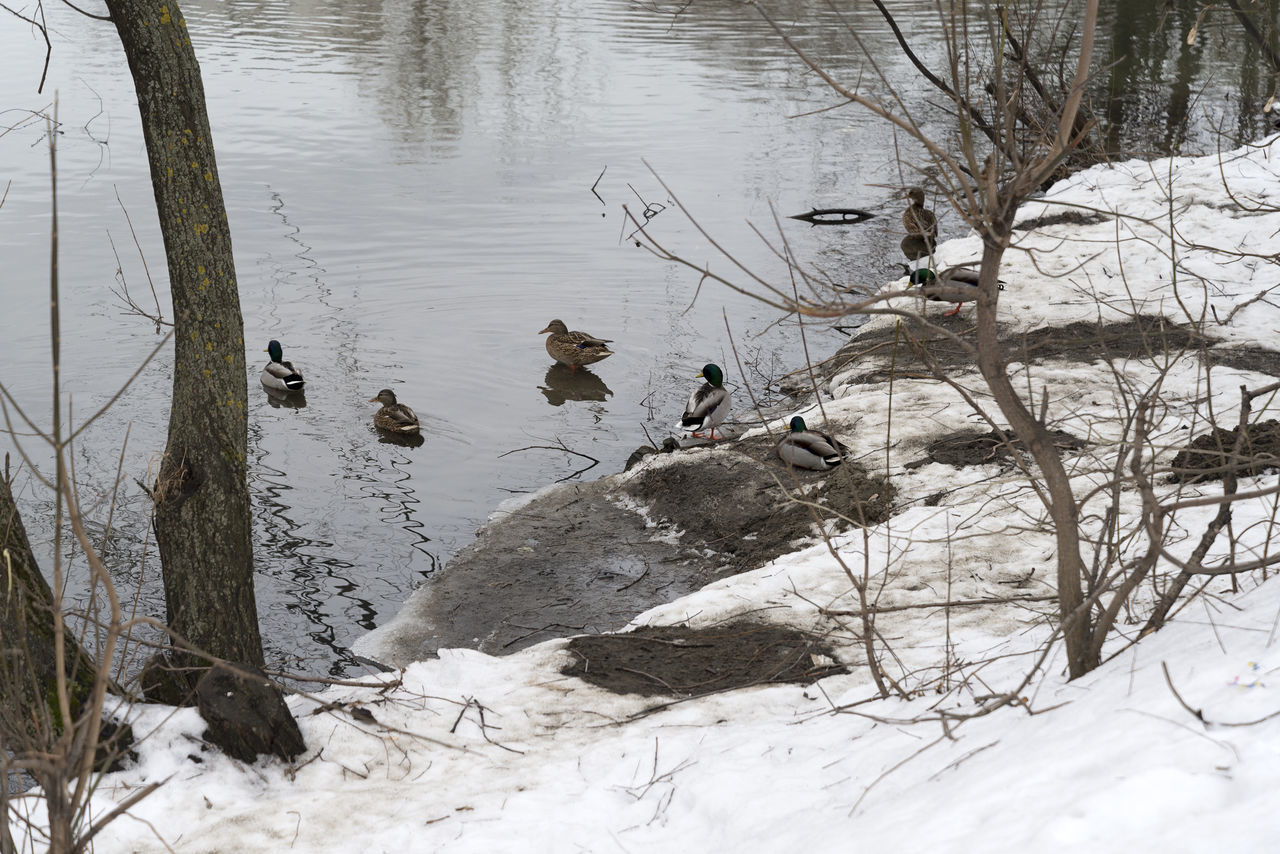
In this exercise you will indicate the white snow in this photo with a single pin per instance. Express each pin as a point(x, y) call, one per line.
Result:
point(471, 753)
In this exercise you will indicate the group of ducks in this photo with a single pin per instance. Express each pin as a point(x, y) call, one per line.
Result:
point(954, 284)
point(708, 405)
point(281, 376)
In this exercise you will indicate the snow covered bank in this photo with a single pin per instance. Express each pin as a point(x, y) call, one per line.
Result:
point(541, 763)
point(476, 753)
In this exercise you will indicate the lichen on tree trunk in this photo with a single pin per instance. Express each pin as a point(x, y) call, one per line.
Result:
point(28, 658)
point(203, 524)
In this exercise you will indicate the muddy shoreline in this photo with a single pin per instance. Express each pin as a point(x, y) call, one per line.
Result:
point(586, 558)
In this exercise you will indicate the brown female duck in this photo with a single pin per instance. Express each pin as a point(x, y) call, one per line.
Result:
point(394, 417)
point(574, 348)
point(918, 220)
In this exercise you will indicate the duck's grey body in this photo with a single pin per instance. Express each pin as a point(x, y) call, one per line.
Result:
point(810, 449)
point(954, 284)
point(279, 374)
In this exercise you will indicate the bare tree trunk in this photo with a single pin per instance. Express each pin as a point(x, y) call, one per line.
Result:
point(1038, 440)
point(203, 524)
point(28, 670)
point(32, 723)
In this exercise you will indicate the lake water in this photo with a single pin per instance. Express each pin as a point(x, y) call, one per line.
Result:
point(414, 190)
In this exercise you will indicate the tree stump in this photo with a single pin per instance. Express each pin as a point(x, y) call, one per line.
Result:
point(246, 713)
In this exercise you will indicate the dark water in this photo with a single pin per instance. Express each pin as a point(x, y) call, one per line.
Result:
point(410, 189)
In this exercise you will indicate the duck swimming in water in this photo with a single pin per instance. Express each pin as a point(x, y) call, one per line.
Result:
point(279, 374)
point(574, 348)
point(394, 417)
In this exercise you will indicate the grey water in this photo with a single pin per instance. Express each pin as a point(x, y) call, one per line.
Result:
point(415, 188)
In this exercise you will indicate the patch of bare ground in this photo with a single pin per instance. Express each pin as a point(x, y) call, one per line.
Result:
point(1074, 218)
point(1209, 456)
point(679, 661)
point(1247, 359)
point(910, 351)
point(734, 500)
point(972, 448)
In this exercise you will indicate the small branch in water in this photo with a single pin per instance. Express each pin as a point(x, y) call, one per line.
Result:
point(42, 26)
point(651, 209)
point(646, 429)
point(559, 446)
point(833, 216)
point(597, 183)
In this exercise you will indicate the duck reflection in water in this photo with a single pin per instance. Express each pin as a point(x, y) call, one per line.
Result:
point(286, 399)
point(564, 383)
point(404, 440)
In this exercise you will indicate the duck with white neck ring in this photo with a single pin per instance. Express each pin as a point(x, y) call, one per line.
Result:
point(708, 404)
point(810, 449)
point(280, 375)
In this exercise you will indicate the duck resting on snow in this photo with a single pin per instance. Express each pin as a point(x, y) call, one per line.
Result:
point(279, 374)
point(810, 449)
point(708, 404)
point(954, 284)
point(574, 348)
point(393, 417)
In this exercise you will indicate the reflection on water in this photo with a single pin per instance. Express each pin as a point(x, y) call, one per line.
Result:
point(1163, 93)
point(286, 399)
point(564, 383)
point(317, 588)
point(412, 186)
point(404, 440)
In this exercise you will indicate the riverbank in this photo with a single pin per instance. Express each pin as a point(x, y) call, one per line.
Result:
point(541, 750)
point(586, 558)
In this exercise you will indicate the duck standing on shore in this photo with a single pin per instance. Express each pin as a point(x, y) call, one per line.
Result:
point(810, 449)
point(279, 374)
point(918, 220)
point(708, 405)
point(394, 417)
point(574, 348)
point(954, 284)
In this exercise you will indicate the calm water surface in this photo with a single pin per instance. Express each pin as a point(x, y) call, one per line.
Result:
point(409, 186)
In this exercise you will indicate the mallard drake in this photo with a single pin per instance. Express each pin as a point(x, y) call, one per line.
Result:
point(918, 220)
point(393, 417)
point(574, 348)
point(954, 284)
point(708, 404)
point(279, 374)
point(810, 449)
